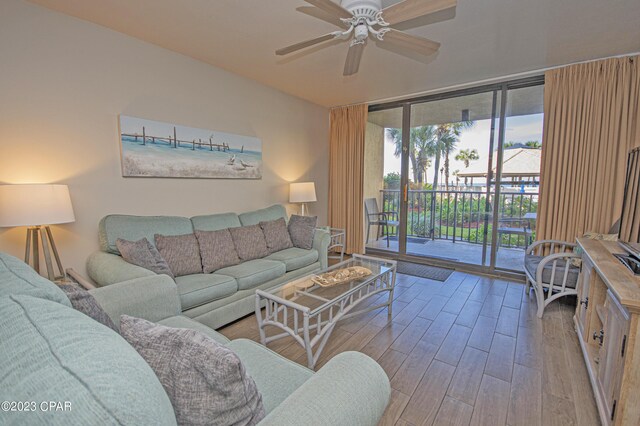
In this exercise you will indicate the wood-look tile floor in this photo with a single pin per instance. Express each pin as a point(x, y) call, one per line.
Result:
point(469, 351)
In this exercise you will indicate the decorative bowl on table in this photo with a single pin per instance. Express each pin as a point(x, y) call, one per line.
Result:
point(341, 276)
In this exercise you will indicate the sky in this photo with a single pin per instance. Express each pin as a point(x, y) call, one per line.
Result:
point(518, 129)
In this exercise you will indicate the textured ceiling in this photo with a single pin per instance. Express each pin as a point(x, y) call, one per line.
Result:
point(481, 39)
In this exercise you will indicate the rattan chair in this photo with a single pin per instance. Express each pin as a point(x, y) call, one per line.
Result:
point(551, 270)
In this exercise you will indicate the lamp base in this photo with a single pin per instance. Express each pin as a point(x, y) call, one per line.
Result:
point(42, 233)
point(304, 209)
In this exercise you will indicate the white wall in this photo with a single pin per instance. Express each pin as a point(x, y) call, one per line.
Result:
point(63, 83)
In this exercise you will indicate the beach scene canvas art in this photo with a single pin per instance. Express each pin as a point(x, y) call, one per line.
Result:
point(155, 149)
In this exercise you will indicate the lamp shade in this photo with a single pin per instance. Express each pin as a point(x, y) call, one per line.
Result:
point(302, 192)
point(32, 205)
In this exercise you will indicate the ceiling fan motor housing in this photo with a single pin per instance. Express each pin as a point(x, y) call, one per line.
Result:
point(363, 8)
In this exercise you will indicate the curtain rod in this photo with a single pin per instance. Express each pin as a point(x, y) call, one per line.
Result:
point(482, 82)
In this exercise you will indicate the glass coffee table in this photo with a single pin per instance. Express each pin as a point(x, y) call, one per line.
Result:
point(309, 312)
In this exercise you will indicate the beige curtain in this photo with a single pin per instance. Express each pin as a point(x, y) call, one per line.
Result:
point(346, 173)
point(590, 124)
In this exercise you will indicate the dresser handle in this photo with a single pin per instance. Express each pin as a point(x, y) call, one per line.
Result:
point(598, 336)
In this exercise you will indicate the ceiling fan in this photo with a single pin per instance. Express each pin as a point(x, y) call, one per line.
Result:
point(366, 18)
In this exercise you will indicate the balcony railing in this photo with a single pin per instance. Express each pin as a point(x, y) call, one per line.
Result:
point(463, 215)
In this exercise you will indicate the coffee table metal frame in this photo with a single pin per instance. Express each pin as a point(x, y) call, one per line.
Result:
point(298, 321)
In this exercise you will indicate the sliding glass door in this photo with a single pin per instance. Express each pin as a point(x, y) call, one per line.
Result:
point(455, 179)
point(519, 181)
point(448, 212)
point(383, 175)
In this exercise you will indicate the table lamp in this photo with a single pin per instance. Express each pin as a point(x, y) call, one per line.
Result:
point(302, 192)
point(37, 207)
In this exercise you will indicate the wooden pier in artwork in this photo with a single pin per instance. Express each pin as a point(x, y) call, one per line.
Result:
point(174, 142)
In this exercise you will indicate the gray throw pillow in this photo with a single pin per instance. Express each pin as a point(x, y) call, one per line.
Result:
point(249, 241)
point(206, 382)
point(142, 253)
point(276, 235)
point(181, 253)
point(84, 302)
point(217, 250)
point(302, 229)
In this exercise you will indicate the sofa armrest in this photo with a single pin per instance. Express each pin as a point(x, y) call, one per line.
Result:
point(351, 389)
point(321, 241)
point(152, 298)
point(106, 269)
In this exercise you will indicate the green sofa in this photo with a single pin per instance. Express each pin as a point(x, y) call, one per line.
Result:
point(61, 367)
point(213, 299)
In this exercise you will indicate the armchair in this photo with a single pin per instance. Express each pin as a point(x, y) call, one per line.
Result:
point(382, 219)
point(551, 270)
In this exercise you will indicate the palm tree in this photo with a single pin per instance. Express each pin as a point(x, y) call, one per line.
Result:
point(396, 137)
point(423, 139)
point(467, 156)
point(422, 147)
point(448, 136)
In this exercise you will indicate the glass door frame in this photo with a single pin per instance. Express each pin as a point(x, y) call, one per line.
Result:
point(404, 178)
point(500, 94)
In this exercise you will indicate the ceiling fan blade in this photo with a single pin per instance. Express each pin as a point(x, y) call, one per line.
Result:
point(417, 44)
point(354, 56)
point(331, 7)
point(304, 44)
point(322, 15)
point(409, 9)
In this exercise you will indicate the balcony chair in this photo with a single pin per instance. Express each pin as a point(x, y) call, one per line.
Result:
point(383, 220)
point(551, 270)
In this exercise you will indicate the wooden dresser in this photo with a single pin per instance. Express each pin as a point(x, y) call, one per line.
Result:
point(607, 321)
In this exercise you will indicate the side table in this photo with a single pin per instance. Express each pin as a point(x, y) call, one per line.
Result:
point(336, 246)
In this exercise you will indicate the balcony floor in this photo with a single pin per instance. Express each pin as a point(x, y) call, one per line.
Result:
point(508, 258)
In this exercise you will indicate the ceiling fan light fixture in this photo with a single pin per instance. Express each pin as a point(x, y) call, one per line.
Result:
point(361, 32)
